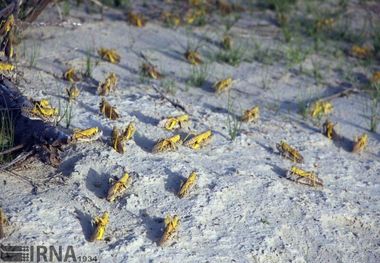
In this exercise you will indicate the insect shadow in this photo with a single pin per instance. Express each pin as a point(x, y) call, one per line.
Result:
point(85, 222)
point(153, 225)
point(97, 183)
point(173, 181)
point(281, 172)
point(344, 143)
point(143, 142)
point(145, 119)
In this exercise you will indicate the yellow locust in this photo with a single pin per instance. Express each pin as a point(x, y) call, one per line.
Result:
point(223, 85)
point(168, 144)
point(108, 85)
point(5, 66)
point(73, 92)
point(193, 57)
point(43, 110)
point(173, 123)
point(118, 188)
point(360, 143)
point(187, 185)
point(150, 71)
point(304, 177)
point(100, 224)
point(361, 51)
point(109, 55)
point(328, 130)
point(320, 108)
point(3, 223)
point(136, 19)
point(108, 111)
point(199, 140)
point(70, 75)
point(251, 115)
point(86, 135)
point(289, 152)
point(171, 227)
point(119, 139)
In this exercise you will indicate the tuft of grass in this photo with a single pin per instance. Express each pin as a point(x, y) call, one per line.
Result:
point(66, 8)
point(89, 63)
point(198, 75)
point(374, 107)
point(6, 134)
point(169, 86)
point(66, 113)
point(32, 54)
point(233, 120)
point(233, 56)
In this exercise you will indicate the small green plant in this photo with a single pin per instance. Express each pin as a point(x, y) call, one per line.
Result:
point(66, 113)
point(6, 134)
point(89, 63)
point(374, 105)
point(32, 54)
point(169, 86)
point(198, 75)
point(233, 56)
point(233, 120)
point(66, 8)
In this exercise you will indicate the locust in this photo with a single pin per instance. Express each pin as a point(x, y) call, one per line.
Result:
point(42, 110)
point(3, 223)
point(173, 123)
point(328, 130)
point(168, 144)
point(100, 224)
point(6, 25)
point(86, 135)
point(117, 189)
point(376, 77)
point(108, 85)
point(304, 177)
point(227, 42)
point(170, 19)
point(5, 66)
point(361, 51)
point(129, 131)
point(320, 108)
point(193, 57)
point(150, 71)
point(70, 75)
point(109, 55)
point(136, 19)
point(289, 152)
point(223, 85)
point(360, 143)
point(171, 227)
point(199, 140)
point(73, 92)
point(108, 111)
point(187, 185)
point(119, 139)
point(251, 115)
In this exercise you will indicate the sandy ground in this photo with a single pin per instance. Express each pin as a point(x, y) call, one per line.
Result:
point(243, 209)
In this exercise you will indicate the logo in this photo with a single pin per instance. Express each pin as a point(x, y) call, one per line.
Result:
point(15, 253)
point(18, 253)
